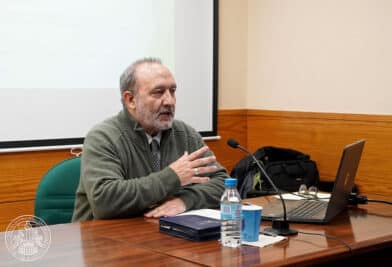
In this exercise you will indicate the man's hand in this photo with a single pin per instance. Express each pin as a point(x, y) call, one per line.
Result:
point(190, 167)
point(170, 207)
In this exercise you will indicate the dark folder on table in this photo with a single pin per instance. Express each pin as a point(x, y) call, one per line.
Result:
point(191, 227)
point(318, 211)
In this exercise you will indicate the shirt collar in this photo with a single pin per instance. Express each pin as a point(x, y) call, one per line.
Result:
point(156, 137)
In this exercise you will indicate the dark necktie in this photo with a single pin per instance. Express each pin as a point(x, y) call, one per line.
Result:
point(156, 156)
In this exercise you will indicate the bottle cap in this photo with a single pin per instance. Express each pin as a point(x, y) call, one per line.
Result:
point(230, 182)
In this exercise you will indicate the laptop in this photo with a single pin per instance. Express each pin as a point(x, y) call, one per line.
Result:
point(316, 210)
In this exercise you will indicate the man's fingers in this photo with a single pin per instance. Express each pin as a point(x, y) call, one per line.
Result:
point(194, 165)
point(169, 208)
point(203, 161)
point(199, 180)
point(149, 214)
point(198, 153)
point(203, 170)
point(156, 213)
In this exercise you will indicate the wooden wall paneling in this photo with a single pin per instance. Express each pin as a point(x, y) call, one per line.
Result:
point(11, 210)
point(323, 136)
point(231, 124)
point(20, 174)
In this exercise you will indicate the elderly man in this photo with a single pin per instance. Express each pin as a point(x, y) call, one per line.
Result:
point(142, 161)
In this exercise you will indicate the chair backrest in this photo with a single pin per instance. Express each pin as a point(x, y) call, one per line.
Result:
point(55, 197)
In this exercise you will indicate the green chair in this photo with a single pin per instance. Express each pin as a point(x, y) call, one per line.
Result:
point(55, 197)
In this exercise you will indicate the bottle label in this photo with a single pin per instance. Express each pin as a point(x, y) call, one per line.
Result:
point(230, 211)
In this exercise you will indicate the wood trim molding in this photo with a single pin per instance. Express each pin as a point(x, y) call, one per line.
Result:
point(317, 115)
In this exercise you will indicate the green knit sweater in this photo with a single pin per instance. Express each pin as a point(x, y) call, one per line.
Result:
point(116, 175)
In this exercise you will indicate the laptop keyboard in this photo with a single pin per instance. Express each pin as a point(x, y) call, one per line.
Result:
point(308, 209)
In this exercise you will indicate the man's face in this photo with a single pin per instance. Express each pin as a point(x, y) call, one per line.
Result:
point(154, 100)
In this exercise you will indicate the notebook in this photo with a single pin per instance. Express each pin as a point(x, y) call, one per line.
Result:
point(317, 211)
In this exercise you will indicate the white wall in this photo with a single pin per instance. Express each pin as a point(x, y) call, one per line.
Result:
point(233, 40)
point(316, 55)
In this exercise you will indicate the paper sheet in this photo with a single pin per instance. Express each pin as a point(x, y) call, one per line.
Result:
point(209, 213)
point(265, 240)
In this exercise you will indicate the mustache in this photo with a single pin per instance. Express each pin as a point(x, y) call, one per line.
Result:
point(167, 110)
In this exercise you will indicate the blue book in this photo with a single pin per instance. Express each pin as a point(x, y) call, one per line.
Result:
point(191, 227)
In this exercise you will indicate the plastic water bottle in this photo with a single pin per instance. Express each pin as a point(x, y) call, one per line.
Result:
point(230, 207)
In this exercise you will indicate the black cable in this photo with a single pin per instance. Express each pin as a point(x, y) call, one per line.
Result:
point(355, 199)
point(380, 201)
point(331, 237)
point(360, 199)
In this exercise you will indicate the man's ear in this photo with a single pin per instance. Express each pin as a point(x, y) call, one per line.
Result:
point(129, 100)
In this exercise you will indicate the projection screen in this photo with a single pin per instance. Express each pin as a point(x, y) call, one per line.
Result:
point(60, 63)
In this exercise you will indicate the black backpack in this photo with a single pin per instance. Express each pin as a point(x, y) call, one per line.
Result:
point(287, 168)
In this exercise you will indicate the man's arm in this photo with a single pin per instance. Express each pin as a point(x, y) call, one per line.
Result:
point(111, 194)
point(191, 197)
point(184, 200)
point(205, 195)
point(196, 196)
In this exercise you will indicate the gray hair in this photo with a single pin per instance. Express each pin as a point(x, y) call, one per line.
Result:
point(128, 77)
